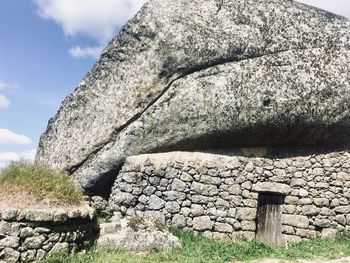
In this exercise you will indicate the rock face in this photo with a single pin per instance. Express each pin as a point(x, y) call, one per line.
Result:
point(190, 75)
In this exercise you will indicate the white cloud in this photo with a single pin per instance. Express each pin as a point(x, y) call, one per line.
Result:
point(93, 52)
point(8, 157)
point(2, 85)
point(340, 7)
point(10, 138)
point(97, 19)
point(4, 102)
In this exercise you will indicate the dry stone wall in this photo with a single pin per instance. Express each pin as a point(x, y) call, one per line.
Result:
point(30, 235)
point(217, 195)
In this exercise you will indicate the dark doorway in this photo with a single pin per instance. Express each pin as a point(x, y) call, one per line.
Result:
point(269, 219)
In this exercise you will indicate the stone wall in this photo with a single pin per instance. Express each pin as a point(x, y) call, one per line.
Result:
point(28, 235)
point(217, 195)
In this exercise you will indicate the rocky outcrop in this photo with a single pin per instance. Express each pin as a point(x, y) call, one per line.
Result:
point(200, 74)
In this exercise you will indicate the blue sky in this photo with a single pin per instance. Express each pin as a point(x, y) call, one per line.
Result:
point(46, 48)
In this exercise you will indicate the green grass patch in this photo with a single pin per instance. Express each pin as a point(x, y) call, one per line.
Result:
point(196, 249)
point(39, 181)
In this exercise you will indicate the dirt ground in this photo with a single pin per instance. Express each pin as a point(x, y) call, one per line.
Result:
point(22, 201)
point(341, 260)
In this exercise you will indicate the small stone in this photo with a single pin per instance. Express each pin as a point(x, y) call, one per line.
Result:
point(26, 232)
point(231, 212)
point(155, 203)
point(341, 219)
point(223, 227)
point(9, 241)
point(246, 213)
point(306, 233)
point(34, 242)
point(28, 256)
point(310, 210)
point(249, 167)
point(343, 177)
point(321, 185)
point(296, 221)
point(149, 190)
point(60, 248)
point(143, 199)
point(9, 255)
point(292, 200)
point(39, 216)
point(289, 230)
point(40, 254)
point(202, 223)
point(178, 185)
point(298, 182)
point(247, 185)
point(289, 209)
point(60, 216)
point(174, 196)
point(172, 207)
point(185, 211)
point(250, 203)
point(9, 214)
point(342, 209)
point(321, 201)
point(234, 190)
point(197, 210)
point(318, 172)
point(324, 223)
point(328, 232)
point(305, 201)
point(248, 225)
point(303, 192)
point(179, 221)
point(186, 177)
point(327, 212)
point(124, 199)
point(210, 180)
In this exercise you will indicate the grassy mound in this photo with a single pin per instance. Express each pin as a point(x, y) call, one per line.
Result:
point(40, 182)
point(196, 249)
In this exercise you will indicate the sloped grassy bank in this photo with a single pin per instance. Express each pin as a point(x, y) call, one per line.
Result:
point(41, 213)
point(196, 249)
point(39, 182)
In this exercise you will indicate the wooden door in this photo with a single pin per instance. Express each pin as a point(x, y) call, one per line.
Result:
point(269, 219)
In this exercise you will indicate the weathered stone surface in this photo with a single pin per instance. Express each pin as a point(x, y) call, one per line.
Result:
point(202, 223)
point(279, 68)
point(272, 188)
point(296, 220)
point(10, 255)
point(136, 234)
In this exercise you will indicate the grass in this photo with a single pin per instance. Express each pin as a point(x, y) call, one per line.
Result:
point(39, 181)
point(196, 249)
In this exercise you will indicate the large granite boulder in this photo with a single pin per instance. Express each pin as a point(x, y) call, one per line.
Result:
point(190, 75)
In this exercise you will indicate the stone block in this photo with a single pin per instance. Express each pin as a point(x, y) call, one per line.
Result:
point(296, 220)
point(202, 223)
point(244, 213)
point(223, 228)
point(269, 187)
